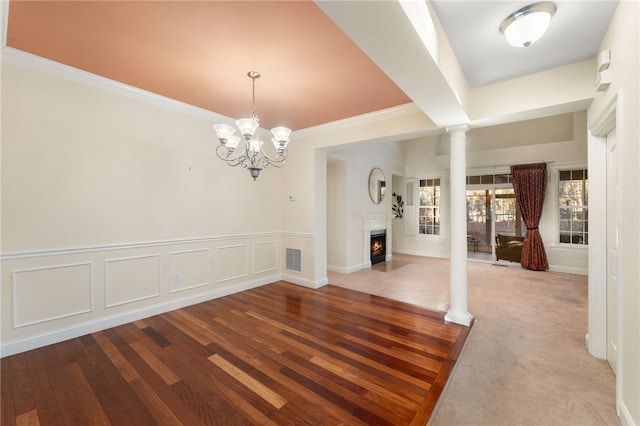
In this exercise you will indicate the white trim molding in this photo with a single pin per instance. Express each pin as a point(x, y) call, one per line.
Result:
point(34, 296)
point(135, 245)
point(35, 341)
point(108, 282)
point(243, 273)
point(38, 63)
point(174, 270)
point(117, 269)
point(361, 120)
point(276, 252)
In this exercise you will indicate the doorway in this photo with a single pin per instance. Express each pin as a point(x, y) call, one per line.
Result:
point(491, 210)
point(605, 252)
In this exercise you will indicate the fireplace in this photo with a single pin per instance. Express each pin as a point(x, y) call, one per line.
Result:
point(378, 246)
point(374, 226)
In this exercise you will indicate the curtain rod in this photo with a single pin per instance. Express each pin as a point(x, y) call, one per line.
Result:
point(500, 166)
point(509, 165)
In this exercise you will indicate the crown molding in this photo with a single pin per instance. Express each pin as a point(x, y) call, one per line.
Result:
point(47, 66)
point(360, 120)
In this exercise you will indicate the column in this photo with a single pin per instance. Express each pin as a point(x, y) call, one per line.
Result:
point(458, 310)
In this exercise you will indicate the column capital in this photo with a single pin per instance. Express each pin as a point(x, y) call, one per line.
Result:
point(462, 128)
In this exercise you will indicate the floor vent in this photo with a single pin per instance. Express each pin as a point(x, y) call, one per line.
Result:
point(294, 260)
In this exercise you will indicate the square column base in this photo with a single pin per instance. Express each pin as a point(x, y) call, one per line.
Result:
point(464, 319)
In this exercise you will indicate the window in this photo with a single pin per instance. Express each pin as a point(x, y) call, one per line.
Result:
point(489, 179)
point(573, 198)
point(429, 210)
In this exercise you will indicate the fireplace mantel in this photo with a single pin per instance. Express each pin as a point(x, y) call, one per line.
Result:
point(375, 223)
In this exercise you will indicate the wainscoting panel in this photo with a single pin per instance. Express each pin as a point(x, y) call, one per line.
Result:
point(57, 294)
point(233, 262)
point(189, 269)
point(265, 257)
point(48, 293)
point(131, 279)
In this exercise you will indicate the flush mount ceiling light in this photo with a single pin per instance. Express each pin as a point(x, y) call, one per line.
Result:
point(252, 156)
point(525, 26)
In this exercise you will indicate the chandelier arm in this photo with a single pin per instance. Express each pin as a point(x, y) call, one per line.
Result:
point(278, 161)
point(226, 154)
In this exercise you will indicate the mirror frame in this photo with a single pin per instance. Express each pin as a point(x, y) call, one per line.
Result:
point(377, 185)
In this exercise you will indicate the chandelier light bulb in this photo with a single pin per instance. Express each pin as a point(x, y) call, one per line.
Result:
point(247, 126)
point(255, 145)
point(224, 132)
point(279, 145)
point(233, 141)
point(281, 133)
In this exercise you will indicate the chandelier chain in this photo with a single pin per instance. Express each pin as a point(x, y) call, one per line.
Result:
point(253, 75)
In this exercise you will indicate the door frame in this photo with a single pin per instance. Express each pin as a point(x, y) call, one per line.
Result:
point(613, 226)
point(491, 187)
point(596, 338)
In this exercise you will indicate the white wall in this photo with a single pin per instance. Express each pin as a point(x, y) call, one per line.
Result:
point(351, 185)
point(337, 197)
point(306, 171)
point(560, 90)
point(561, 141)
point(115, 208)
point(558, 140)
point(622, 39)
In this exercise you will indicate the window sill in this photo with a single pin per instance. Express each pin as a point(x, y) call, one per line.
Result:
point(432, 237)
point(569, 247)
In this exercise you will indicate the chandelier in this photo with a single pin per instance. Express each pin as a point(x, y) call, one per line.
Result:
point(252, 156)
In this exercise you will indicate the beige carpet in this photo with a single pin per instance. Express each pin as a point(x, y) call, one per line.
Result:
point(525, 362)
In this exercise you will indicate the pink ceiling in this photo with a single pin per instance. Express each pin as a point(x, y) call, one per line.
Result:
point(199, 52)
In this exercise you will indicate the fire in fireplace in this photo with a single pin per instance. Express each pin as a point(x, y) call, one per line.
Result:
point(378, 246)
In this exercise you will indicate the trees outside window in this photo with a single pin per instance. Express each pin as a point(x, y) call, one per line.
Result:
point(429, 209)
point(573, 202)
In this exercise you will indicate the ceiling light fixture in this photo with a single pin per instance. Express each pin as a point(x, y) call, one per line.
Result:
point(525, 26)
point(252, 157)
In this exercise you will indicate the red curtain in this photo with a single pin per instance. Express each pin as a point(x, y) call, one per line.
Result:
point(529, 183)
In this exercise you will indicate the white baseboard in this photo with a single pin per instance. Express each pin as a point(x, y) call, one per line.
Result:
point(77, 330)
point(625, 416)
point(304, 282)
point(338, 269)
point(568, 270)
point(553, 268)
point(421, 253)
point(345, 269)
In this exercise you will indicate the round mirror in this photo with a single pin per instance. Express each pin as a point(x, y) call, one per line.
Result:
point(377, 185)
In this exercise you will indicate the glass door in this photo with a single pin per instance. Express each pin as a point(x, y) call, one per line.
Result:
point(507, 215)
point(491, 211)
point(479, 221)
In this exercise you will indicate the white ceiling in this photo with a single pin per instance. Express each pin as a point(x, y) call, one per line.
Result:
point(574, 35)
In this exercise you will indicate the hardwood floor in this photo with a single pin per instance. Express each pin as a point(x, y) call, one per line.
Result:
point(277, 354)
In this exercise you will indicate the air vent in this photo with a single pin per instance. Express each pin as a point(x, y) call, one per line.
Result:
point(293, 260)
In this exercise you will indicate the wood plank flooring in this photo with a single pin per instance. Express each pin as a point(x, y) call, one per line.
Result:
point(279, 354)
